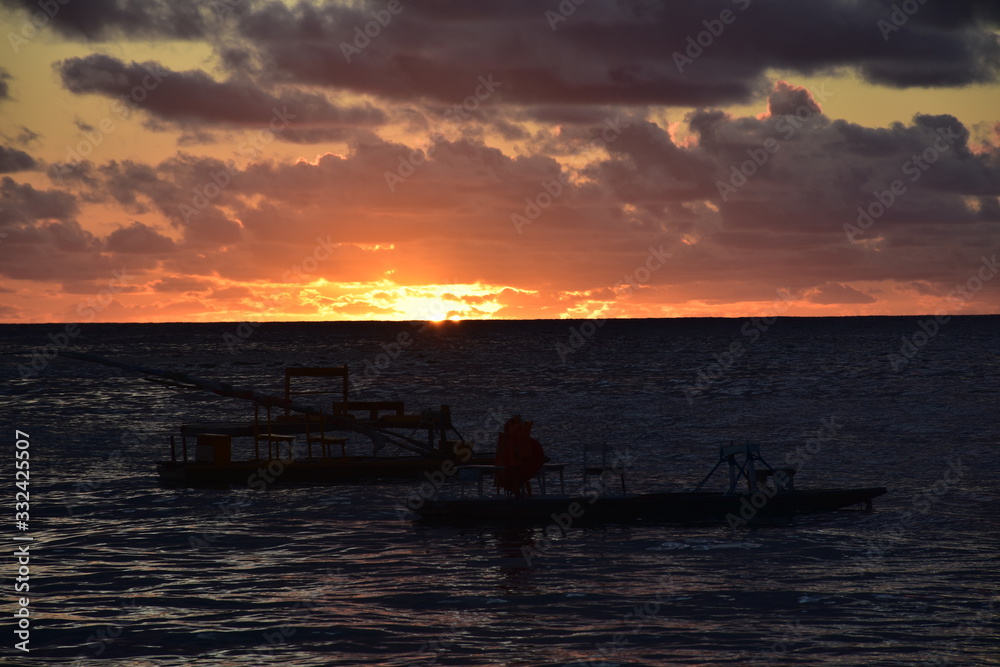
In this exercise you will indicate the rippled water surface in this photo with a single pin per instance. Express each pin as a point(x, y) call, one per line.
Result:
point(126, 572)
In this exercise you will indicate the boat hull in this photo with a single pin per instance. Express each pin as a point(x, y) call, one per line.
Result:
point(643, 508)
point(340, 470)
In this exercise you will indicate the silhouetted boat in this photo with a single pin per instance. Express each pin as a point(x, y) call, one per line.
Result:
point(645, 507)
point(322, 457)
point(325, 459)
point(770, 492)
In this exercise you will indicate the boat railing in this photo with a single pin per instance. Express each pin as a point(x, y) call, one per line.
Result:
point(605, 468)
point(475, 476)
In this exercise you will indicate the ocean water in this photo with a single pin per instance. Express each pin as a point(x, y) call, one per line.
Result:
point(124, 571)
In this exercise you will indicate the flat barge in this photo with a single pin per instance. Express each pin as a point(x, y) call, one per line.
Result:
point(297, 443)
point(768, 492)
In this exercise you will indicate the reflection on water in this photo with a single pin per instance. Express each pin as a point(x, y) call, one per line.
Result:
point(129, 573)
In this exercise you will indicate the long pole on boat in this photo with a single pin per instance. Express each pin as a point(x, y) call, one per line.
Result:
point(248, 394)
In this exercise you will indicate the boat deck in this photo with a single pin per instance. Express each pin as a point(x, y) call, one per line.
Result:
point(350, 469)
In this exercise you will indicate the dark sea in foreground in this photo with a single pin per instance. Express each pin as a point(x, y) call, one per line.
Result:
point(126, 572)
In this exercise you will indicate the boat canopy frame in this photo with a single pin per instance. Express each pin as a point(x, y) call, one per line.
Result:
point(739, 470)
point(438, 421)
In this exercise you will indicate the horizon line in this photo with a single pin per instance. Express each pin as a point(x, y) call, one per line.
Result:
point(537, 319)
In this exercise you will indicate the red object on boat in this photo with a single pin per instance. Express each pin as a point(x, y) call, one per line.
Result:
point(519, 457)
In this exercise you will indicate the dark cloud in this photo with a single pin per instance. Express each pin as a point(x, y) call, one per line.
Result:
point(84, 126)
point(797, 173)
point(193, 98)
point(234, 292)
point(139, 238)
point(102, 20)
point(26, 136)
point(615, 53)
point(651, 151)
point(602, 53)
point(181, 285)
point(838, 293)
point(39, 231)
point(23, 204)
point(43, 241)
point(609, 53)
point(52, 251)
point(4, 86)
point(439, 54)
point(12, 160)
point(787, 99)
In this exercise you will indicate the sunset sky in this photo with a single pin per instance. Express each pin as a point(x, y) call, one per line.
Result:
point(267, 160)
